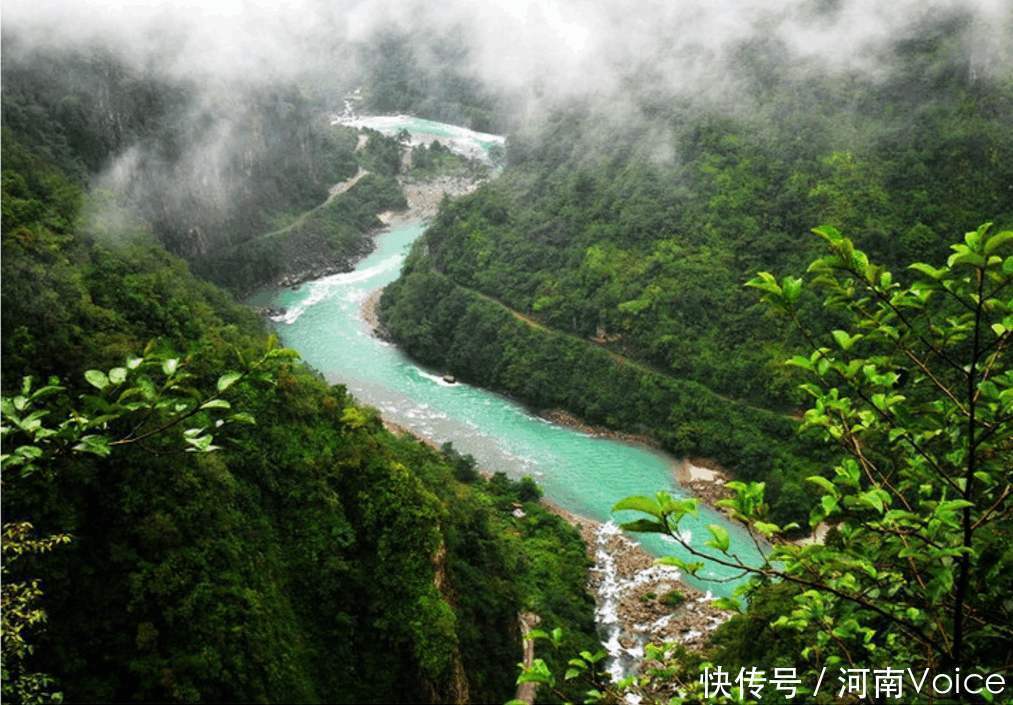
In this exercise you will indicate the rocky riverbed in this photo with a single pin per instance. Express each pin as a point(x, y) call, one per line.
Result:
point(639, 602)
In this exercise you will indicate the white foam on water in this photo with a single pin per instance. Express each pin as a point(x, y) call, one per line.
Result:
point(321, 289)
point(470, 143)
point(434, 378)
point(607, 611)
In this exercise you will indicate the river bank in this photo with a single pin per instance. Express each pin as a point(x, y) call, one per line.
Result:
point(704, 478)
point(634, 597)
point(423, 198)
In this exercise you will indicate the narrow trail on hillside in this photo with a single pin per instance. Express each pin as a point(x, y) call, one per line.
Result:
point(618, 357)
point(335, 191)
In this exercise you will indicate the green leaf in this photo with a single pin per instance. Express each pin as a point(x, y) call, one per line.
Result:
point(829, 504)
point(243, 417)
point(727, 603)
point(216, 404)
point(689, 567)
point(201, 444)
point(538, 673)
point(95, 444)
point(828, 233)
point(118, 375)
point(169, 366)
point(824, 483)
point(227, 380)
point(721, 539)
point(872, 499)
point(792, 287)
point(998, 240)
point(647, 505)
point(800, 361)
point(844, 340)
point(766, 528)
point(97, 379)
point(644, 526)
point(928, 270)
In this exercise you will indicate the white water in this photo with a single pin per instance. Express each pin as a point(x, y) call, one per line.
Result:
point(470, 143)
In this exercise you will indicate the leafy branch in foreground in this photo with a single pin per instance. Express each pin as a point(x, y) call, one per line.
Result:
point(914, 388)
point(585, 669)
point(147, 397)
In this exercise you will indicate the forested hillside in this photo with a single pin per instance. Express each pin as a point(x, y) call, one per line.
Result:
point(772, 241)
point(634, 229)
point(425, 73)
point(313, 556)
point(215, 181)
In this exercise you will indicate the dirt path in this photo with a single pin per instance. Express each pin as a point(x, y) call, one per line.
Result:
point(335, 191)
point(618, 357)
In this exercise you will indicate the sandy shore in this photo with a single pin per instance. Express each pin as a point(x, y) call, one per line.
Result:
point(703, 478)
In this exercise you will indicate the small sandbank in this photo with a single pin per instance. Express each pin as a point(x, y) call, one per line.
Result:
point(371, 313)
point(704, 478)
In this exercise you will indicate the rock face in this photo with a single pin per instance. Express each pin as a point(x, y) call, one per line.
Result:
point(635, 601)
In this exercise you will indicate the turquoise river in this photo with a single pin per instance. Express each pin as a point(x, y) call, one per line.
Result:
point(581, 473)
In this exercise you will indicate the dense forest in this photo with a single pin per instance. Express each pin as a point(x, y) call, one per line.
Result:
point(800, 273)
point(594, 232)
point(314, 556)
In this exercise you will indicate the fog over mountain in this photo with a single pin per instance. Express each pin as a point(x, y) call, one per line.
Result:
point(224, 67)
point(558, 49)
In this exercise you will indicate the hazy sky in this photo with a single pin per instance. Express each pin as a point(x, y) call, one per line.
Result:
point(567, 46)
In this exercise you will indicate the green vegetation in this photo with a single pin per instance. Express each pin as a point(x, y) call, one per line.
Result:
point(916, 389)
point(424, 72)
point(478, 340)
point(193, 514)
point(313, 556)
point(224, 190)
point(636, 236)
point(336, 232)
point(435, 160)
point(673, 598)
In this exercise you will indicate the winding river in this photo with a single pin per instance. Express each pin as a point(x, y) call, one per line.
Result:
point(583, 474)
